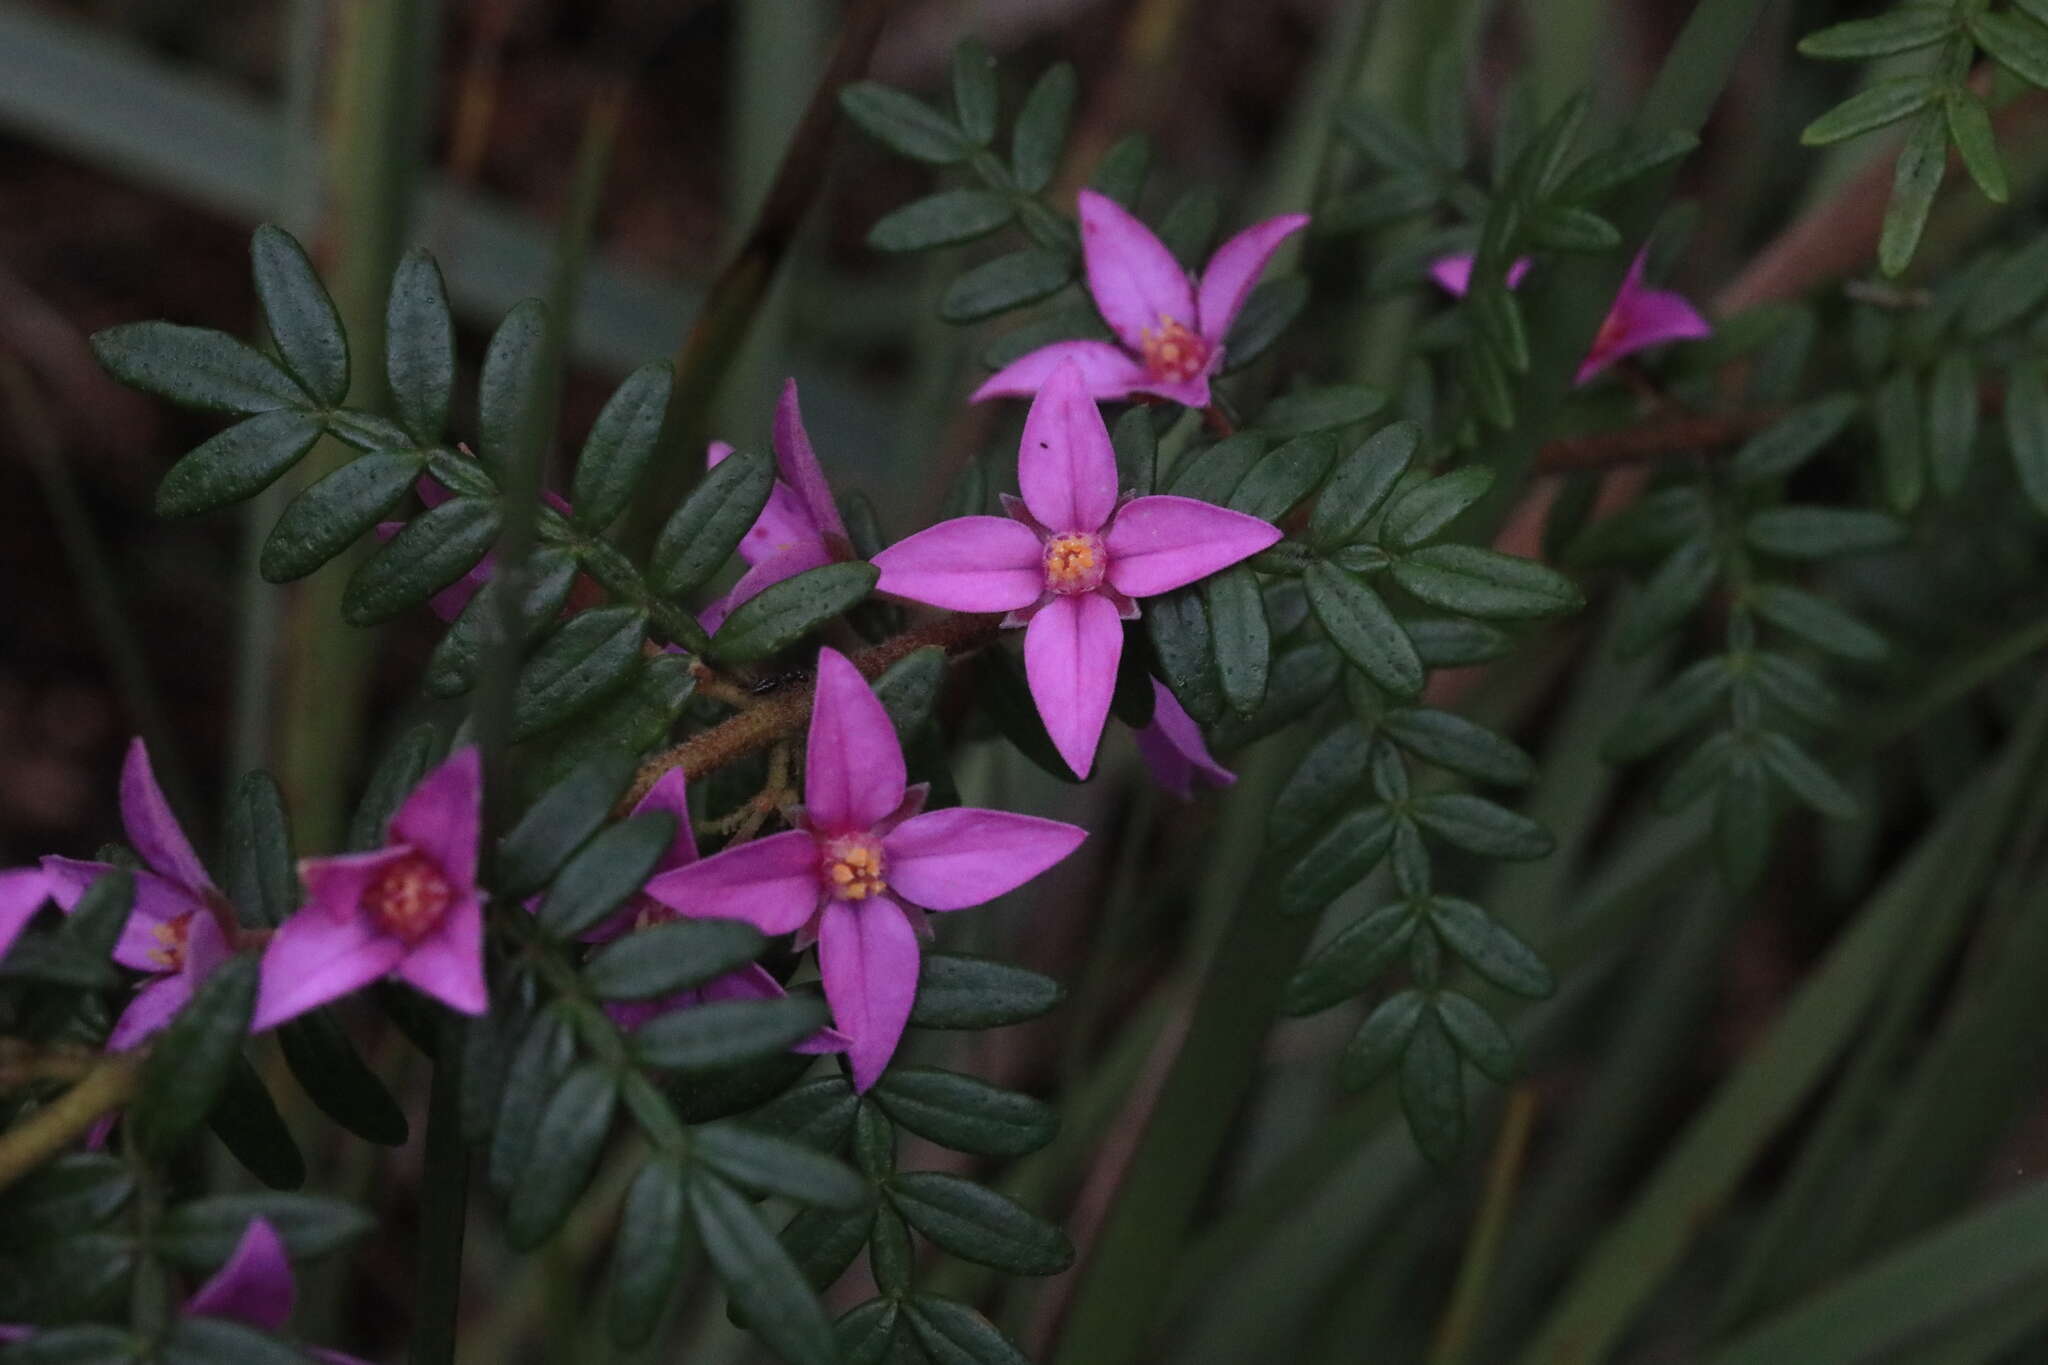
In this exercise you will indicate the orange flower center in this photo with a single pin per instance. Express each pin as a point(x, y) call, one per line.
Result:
point(172, 934)
point(853, 867)
point(1075, 562)
point(1174, 351)
point(409, 897)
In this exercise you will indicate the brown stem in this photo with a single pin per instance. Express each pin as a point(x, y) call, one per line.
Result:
point(107, 1086)
point(1632, 445)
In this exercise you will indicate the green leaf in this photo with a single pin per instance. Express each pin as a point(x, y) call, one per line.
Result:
point(549, 577)
point(433, 550)
point(708, 527)
point(1670, 595)
point(1329, 775)
point(975, 99)
point(189, 1063)
point(1336, 861)
point(818, 1113)
point(648, 1261)
point(79, 1344)
point(605, 872)
point(2017, 43)
point(1793, 439)
point(1904, 29)
point(1270, 310)
point(329, 515)
point(1137, 450)
point(1819, 622)
point(510, 389)
point(783, 613)
point(1005, 283)
point(1040, 134)
point(200, 1234)
point(943, 219)
point(1418, 514)
point(729, 1032)
point(979, 1225)
point(768, 1165)
point(545, 1052)
point(1951, 422)
point(868, 1335)
point(71, 1192)
point(1697, 772)
point(768, 1292)
point(1485, 583)
point(664, 958)
point(557, 824)
point(1922, 163)
point(2026, 430)
point(335, 1079)
point(1805, 778)
point(257, 872)
point(1449, 642)
point(1897, 414)
point(1242, 640)
point(1352, 960)
point(904, 124)
point(237, 463)
point(1636, 155)
point(1489, 949)
point(1561, 228)
point(1177, 624)
point(303, 321)
point(909, 690)
point(1969, 127)
point(1385, 139)
point(1821, 532)
point(1121, 172)
point(1320, 409)
point(1360, 625)
point(964, 1113)
point(1283, 477)
point(1380, 204)
point(1483, 1041)
point(246, 1121)
point(1742, 820)
point(563, 1153)
point(196, 367)
point(960, 991)
point(1453, 742)
point(399, 769)
point(1479, 826)
point(1884, 103)
point(419, 346)
point(588, 659)
point(198, 1340)
point(823, 1242)
point(620, 445)
point(1380, 1039)
point(1433, 1090)
point(1213, 473)
point(2008, 291)
point(632, 722)
point(954, 1334)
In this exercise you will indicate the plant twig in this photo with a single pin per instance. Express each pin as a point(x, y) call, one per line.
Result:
point(106, 1087)
point(1669, 436)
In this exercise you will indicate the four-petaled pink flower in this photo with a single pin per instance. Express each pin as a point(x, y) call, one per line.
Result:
point(1640, 318)
point(409, 909)
point(1069, 560)
point(751, 982)
point(862, 862)
point(1171, 328)
point(254, 1286)
point(800, 528)
point(1173, 749)
point(177, 930)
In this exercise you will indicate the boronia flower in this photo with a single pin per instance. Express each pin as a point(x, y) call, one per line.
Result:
point(1173, 749)
point(23, 891)
point(1640, 318)
point(800, 528)
point(642, 911)
point(1170, 327)
point(410, 909)
point(861, 866)
point(177, 930)
point(254, 1286)
point(1069, 560)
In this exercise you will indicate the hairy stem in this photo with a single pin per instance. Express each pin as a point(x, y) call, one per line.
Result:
point(60, 1123)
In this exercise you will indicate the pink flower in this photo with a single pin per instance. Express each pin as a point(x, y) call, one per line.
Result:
point(1172, 748)
point(449, 602)
point(255, 1286)
point(1171, 328)
point(177, 931)
point(1069, 559)
point(22, 892)
point(861, 857)
point(1640, 318)
point(799, 529)
point(751, 982)
point(410, 909)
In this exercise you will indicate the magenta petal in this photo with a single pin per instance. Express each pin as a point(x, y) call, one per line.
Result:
point(151, 827)
point(783, 525)
point(868, 955)
point(799, 465)
point(1228, 278)
point(23, 890)
point(853, 762)
point(255, 1286)
point(335, 884)
point(1071, 650)
point(951, 859)
point(1066, 467)
point(1454, 273)
point(153, 1007)
point(1159, 543)
point(770, 883)
point(157, 901)
point(967, 564)
point(671, 794)
point(1109, 371)
point(448, 603)
point(772, 568)
point(448, 962)
point(715, 453)
point(314, 958)
point(1135, 280)
point(444, 814)
point(1173, 748)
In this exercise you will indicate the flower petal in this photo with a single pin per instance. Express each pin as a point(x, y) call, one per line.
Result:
point(853, 762)
point(1228, 278)
point(335, 884)
point(966, 564)
point(1066, 467)
point(782, 525)
point(671, 795)
point(448, 961)
point(255, 1286)
point(1159, 543)
point(1071, 650)
point(152, 828)
point(153, 1007)
point(1453, 274)
point(868, 955)
point(1173, 748)
point(951, 859)
point(1109, 371)
point(23, 891)
point(770, 569)
point(799, 465)
point(314, 958)
point(752, 982)
point(1134, 278)
point(1643, 318)
point(157, 901)
point(443, 816)
point(770, 883)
